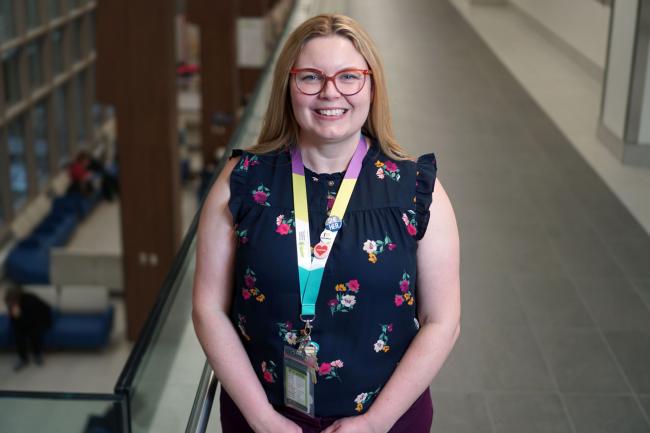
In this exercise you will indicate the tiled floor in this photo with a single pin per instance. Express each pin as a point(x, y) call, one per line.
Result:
point(555, 275)
point(556, 336)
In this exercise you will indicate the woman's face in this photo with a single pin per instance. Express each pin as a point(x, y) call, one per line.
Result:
point(330, 54)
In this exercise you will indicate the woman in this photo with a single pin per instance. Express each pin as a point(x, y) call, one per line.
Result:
point(382, 260)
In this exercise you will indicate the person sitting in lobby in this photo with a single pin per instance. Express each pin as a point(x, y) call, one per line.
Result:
point(30, 317)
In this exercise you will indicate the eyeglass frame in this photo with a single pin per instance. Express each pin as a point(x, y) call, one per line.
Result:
point(295, 71)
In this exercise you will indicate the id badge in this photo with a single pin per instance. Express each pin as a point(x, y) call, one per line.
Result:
point(298, 386)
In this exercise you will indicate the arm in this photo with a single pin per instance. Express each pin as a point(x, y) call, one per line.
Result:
point(439, 312)
point(211, 300)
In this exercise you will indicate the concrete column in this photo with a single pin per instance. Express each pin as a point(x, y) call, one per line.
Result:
point(135, 73)
point(625, 110)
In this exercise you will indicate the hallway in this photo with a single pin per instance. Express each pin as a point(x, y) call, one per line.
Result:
point(555, 334)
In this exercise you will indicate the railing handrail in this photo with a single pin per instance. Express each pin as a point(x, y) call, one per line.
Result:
point(200, 414)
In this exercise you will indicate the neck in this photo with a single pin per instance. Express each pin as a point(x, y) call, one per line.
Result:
point(323, 157)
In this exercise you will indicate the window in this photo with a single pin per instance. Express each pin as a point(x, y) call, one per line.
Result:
point(62, 131)
point(7, 20)
point(11, 71)
point(41, 151)
point(33, 14)
point(35, 62)
point(77, 40)
point(58, 60)
point(17, 164)
point(73, 4)
point(54, 8)
point(80, 105)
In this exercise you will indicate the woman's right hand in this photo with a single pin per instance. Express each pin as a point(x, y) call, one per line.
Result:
point(277, 423)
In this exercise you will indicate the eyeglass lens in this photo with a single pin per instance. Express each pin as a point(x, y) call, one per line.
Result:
point(346, 82)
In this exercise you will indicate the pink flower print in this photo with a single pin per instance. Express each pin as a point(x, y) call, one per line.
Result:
point(411, 229)
point(337, 364)
point(405, 219)
point(332, 303)
point(330, 202)
point(246, 163)
point(390, 327)
point(284, 225)
point(283, 229)
point(391, 246)
point(289, 326)
point(404, 286)
point(245, 294)
point(353, 285)
point(390, 166)
point(324, 369)
point(268, 371)
point(399, 300)
point(260, 197)
point(380, 173)
point(249, 281)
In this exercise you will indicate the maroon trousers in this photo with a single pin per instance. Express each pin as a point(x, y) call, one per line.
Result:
point(417, 419)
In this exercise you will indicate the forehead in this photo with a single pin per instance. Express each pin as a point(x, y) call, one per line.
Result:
point(330, 54)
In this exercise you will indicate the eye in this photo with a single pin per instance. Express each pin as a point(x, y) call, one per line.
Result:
point(310, 77)
point(350, 76)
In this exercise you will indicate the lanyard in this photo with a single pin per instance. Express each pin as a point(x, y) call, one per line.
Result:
point(310, 269)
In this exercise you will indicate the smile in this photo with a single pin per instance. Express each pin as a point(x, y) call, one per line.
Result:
point(332, 112)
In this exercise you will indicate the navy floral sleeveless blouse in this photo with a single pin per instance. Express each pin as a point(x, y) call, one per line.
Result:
point(366, 308)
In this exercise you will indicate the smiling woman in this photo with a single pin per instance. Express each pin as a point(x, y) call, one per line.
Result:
point(346, 297)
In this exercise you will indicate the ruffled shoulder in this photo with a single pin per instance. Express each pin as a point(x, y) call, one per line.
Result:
point(239, 180)
point(425, 175)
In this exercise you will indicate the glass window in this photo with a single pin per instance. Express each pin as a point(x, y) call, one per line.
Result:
point(35, 62)
point(80, 105)
point(77, 40)
point(17, 163)
point(73, 4)
point(40, 143)
point(33, 14)
point(62, 132)
point(93, 24)
point(58, 61)
point(54, 8)
point(11, 71)
point(7, 20)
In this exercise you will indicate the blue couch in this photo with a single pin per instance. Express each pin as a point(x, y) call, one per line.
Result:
point(69, 330)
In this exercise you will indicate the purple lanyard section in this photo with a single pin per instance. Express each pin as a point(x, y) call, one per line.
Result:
point(297, 166)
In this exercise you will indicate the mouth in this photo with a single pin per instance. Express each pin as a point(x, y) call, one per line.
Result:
point(331, 112)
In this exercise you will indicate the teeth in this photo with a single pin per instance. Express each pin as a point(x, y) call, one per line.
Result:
point(336, 112)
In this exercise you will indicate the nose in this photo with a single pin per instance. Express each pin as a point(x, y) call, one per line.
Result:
point(329, 89)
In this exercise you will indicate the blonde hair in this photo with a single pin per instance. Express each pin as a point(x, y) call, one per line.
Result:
point(280, 129)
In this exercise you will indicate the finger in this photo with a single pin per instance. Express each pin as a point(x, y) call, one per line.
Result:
point(332, 428)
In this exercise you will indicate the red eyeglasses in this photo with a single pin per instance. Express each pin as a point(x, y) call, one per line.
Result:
point(348, 82)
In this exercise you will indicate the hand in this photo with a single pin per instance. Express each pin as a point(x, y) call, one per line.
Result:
point(277, 423)
point(353, 424)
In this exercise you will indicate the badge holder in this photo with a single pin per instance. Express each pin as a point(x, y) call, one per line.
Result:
point(298, 383)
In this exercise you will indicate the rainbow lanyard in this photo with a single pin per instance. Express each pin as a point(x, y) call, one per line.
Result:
point(310, 269)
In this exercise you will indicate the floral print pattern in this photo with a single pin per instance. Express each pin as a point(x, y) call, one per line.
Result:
point(330, 369)
point(387, 169)
point(268, 371)
point(365, 398)
point(410, 222)
point(382, 342)
point(246, 162)
point(241, 324)
point(345, 300)
point(287, 333)
point(405, 294)
point(284, 225)
point(374, 248)
point(261, 195)
point(242, 236)
point(250, 291)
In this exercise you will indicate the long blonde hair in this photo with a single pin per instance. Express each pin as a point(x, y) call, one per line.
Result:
point(280, 129)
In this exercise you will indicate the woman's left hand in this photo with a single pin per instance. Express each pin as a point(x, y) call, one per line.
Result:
point(353, 424)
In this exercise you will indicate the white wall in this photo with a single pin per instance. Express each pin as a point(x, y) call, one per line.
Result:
point(583, 24)
point(620, 66)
